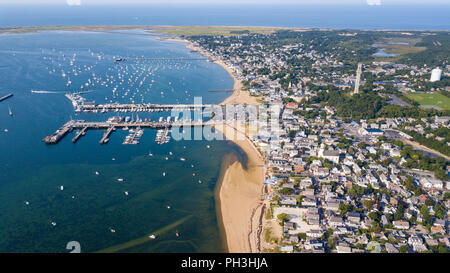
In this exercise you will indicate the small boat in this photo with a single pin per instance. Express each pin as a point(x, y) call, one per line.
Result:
point(170, 153)
point(183, 159)
point(152, 236)
point(207, 146)
point(53, 224)
point(61, 188)
point(199, 181)
point(126, 193)
point(97, 173)
point(168, 207)
point(120, 179)
point(27, 203)
point(10, 112)
point(177, 234)
point(193, 174)
point(164, 174)
point(6, 130)
point(112, 230)
point(167, 158)
point(113, 159)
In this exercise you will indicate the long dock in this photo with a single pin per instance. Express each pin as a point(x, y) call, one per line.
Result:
point(6, 97)
point(105, 138)
point(81, 133)
point(139, 107)
point(59, 134)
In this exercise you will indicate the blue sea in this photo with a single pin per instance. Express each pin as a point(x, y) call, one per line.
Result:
point(95, 210)
point(387, 16)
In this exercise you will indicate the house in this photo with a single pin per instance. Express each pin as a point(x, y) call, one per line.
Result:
point(437, 229)
point(390, 248)
point(314, 233)
point(287, 248)
point(354, 217)
point(335, 221)
point(343, 249)
point(431, 183)
point(288, 200)
point(401, 224)
point(331, 155)
point(309, 202)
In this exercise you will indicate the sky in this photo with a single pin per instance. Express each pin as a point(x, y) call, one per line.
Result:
point(109, 2)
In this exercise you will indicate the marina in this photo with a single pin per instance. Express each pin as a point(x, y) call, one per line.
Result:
point(135, 129)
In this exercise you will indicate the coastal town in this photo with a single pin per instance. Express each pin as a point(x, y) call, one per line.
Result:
point(355, 163)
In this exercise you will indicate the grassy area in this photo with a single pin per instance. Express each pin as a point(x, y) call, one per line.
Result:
point(435, 100)
point(399, 49)
point(211, 30)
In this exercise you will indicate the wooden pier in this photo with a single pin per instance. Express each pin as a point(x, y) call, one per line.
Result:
point(81, 133)
point(105, 138)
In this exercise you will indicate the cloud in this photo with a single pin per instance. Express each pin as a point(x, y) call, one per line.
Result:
point(73, 2)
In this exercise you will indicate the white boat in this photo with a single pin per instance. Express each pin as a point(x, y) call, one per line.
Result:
point(61, 188)
point(182, 159)
point(126, 193)
point(53, 224)
point(120, 179)
point(152, 236)
point(164, 174)
point(97, 173)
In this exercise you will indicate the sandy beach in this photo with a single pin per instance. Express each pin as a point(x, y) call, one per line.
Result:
point(240, 186)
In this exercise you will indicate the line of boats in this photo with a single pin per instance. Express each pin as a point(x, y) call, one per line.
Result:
point(133, 137)
point(162, 136)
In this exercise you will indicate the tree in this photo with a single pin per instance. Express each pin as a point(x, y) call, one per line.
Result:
point(403, 249)
point(299, 200)
point(368, 204)
point(331, 243)
point(302, 236)
point(283, 217)
point(344, 208)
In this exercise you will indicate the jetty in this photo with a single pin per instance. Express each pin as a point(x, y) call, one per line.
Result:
point(105, 138)
point(6, 97)
point(81, 133)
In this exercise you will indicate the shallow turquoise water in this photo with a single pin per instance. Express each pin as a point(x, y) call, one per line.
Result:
point(90, 206)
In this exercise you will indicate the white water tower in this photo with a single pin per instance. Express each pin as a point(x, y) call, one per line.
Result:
point(436, 75)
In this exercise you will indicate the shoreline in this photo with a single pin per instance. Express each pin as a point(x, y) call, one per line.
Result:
point(239, 189)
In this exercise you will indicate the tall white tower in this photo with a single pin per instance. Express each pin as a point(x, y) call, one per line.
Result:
point(436, 75)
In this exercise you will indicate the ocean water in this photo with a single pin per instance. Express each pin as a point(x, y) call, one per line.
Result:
point(90, 206)
point(357, 16)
